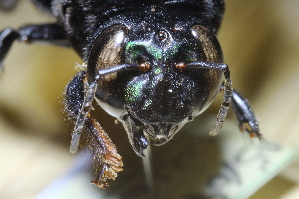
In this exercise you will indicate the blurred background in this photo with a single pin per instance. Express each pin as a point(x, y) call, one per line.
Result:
point(260, 43)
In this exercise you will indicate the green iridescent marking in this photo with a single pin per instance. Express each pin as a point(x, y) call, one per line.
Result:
point(134, 49)
point(134, 91)
point(189, 51)
point(157, 53)
point(157, 71)
point(171, 51)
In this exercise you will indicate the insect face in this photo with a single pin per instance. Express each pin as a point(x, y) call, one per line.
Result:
point(154, 65)
point(157, 100)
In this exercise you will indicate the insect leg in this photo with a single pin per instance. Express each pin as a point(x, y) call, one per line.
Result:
point(245, 115)
point(49, 33)
point(7, 37)
point(87, 103)
point(74, 95)
point(227, 91)
point(81, 117)
point(106, 159)
point(73, 105)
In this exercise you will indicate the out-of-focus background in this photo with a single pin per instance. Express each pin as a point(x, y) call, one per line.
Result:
point(260, 42)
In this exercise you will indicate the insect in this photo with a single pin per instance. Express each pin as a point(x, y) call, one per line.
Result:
point(153, 65)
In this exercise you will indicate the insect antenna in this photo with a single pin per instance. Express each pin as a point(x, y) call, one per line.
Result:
point(225, 103)
point(86, 107)
point(227, 89)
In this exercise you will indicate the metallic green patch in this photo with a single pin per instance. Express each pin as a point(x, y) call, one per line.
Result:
point(134, 49)
point(134, 91)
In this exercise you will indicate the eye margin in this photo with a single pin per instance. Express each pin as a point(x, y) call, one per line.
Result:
point(116, 36)
point(208, 42)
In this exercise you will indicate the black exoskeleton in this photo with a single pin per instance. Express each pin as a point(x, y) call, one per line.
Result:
point(152, 64)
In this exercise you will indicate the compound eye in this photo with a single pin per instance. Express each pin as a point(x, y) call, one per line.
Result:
point(208, 43)
point(144, 67)
point(180, 66)
point(107, 49)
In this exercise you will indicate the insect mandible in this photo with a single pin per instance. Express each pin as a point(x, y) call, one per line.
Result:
point(153, 65)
